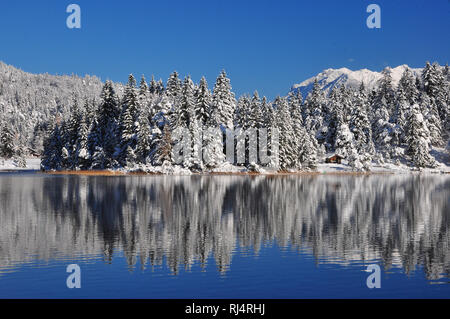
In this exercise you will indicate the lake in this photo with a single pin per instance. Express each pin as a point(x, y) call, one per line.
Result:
point(302, 236)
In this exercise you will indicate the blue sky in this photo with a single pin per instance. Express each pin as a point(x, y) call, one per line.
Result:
point(263, 45)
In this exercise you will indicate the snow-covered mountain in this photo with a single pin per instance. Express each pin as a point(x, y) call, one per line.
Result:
point(28, 101)
point(330, 78)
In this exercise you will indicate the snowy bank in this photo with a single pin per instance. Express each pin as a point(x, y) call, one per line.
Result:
point(9, 165)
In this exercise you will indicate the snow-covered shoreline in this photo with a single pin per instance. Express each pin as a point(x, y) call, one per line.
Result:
point(31, 164)
point(227, 169)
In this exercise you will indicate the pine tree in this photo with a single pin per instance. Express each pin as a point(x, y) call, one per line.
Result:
point(52, 153)
point(163, 151)
point(288, 153)
point(382, 129)
point(6, 141)
point(153, 87)
point(144, 95)
point(186, 104)
point(71, 129)
point(256, 126)
point(202, 102)
point(314, 102)
point(195, 160)
point(334, 119)
point(213, 155)
point(299, 133)
point(360, 127)
point(432, 120)
point(255, 116)
point(344, 141)
point(307, 151)
point(143, 146)
point(417, 138)
point(430, 79)
point(242, 124)
point(173, 87)
point(386, 95)
point(223, 103)
point(400, 113)
point(19, 156)
point(408, 87)
point(82, 153)
point(128, 123)
point(436, 87)
point(104, 136)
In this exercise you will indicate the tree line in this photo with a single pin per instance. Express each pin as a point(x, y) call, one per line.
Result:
point(395, 124)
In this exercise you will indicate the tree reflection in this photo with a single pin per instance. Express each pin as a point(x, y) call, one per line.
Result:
point(402, 220)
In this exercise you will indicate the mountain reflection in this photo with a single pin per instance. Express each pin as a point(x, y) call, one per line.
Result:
point(402, 220)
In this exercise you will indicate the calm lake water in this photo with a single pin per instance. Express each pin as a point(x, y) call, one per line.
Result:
point(224, 236)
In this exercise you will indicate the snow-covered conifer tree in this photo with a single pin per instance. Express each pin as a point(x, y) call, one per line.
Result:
point(128, 123)
point(360, 127)
point(104, 135)
point(202, 102)
point(314, 102)
point(418, 138)
point(144, 142)
point(52, 154)
point(386, 91)
point(173, 86)
point(223, 101)
point(163, 151)
point(6, 141)
point(288, 152)
point(408, 86)
point(344, 141)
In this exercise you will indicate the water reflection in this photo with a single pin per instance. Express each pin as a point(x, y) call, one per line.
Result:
point(402, 220)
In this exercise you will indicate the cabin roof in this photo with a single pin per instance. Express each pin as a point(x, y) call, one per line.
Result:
point(336, 156)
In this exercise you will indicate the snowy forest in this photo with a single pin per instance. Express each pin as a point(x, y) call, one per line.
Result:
point(132, 126)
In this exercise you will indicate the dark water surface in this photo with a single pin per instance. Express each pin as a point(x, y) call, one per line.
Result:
point(224, 236)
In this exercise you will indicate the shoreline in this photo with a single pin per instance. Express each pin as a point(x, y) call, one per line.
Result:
point(250, 174)
point(33, 166)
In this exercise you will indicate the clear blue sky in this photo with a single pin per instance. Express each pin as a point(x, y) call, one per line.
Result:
point(263, 45)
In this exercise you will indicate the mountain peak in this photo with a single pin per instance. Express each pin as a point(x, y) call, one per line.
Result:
point(330, 78)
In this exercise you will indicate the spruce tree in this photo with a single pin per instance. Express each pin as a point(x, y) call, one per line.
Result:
point(173, 86)
point(386, 94)
point(307, 150)
point(408, 87)
point(223, 101)
point(202, 102)
point(288, 153)
point(128, 123)
point(6, 141)
point(163, 151)
point(314, 102)
point(344, 141)
point(242, 124)
point(360, 127)
point(82, 153)
point(104, 136)
point(52, 154)
point(418, 138)
point(143, 146)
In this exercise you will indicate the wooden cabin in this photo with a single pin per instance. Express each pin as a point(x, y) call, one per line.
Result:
point(334, 159)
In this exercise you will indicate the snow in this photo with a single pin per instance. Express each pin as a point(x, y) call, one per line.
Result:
point(330, 78)
point(387, 168)
point(227, 168)
point(8, 165)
